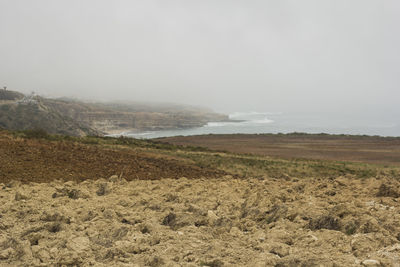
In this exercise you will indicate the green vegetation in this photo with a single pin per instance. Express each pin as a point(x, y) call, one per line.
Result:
point(256, 166)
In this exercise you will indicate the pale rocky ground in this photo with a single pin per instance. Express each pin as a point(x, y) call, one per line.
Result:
point(202, 222)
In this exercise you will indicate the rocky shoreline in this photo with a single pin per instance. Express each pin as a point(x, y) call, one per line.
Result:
point(78, 118)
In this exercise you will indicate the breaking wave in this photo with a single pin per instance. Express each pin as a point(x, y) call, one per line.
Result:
point(245, 118)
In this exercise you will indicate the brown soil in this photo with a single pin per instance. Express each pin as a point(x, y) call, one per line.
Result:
point(200, 222)
point(35, 160)
point(74, 217)
point(367, 149)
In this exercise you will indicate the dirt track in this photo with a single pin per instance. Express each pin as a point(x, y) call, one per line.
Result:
point(367, 149)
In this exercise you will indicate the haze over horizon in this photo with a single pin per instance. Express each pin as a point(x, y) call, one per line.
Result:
point(298, 56)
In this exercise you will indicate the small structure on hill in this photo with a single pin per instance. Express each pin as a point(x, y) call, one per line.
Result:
point(29, 99)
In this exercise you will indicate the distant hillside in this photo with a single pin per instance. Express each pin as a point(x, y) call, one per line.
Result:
point(34, 114)
point(117, 117)
point(72, 117)
point(10, 95)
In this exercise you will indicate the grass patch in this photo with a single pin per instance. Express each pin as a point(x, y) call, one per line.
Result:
point(245, 165)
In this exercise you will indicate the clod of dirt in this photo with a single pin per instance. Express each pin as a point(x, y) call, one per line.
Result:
point(275, 213)
point(212, 217)
point(54, 227)
point(370, 226)
point(79, 244)
point(371, 263)
point(20, 196)
point(103, 189)
point(169, 220)
point(350, 228)
point(176, 221)
point(324, 222)
point(282, 250)
point(213, 263)
point(155, 261)
point(100, 231)
point(53, 217)
point(71, 193)
point(387, 191)
point(5, 254)
point(144, 229)
point(74, 194)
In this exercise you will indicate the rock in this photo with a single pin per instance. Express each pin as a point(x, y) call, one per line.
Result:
point(371, 263)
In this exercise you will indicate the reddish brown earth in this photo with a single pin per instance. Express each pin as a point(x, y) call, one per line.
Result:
point(36, 160)
point(369, 149)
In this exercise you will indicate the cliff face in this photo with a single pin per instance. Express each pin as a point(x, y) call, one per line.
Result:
point(114, 118)
point(77, 118)
point(35, 115)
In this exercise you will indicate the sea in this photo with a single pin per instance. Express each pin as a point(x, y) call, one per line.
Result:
point(254, 122)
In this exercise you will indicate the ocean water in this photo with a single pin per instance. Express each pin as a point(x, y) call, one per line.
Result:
point(279, 122)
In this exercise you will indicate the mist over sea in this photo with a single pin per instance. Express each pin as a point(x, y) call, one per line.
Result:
point(280, 122)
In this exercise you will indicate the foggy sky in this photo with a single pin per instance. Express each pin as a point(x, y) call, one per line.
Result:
point(310, 55)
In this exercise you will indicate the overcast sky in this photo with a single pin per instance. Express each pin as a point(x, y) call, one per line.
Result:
point(309, 55)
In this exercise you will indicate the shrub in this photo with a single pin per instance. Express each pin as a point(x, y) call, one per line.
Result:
point(324, 222)
point(36, 133)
